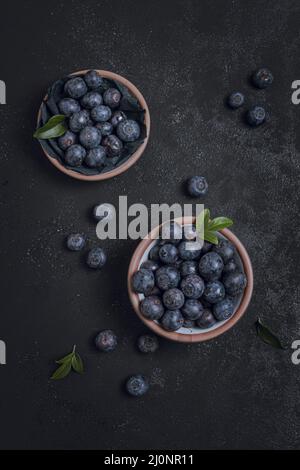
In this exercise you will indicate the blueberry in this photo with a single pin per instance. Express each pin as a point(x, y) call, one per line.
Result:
point(152, 308)
point(101, 113)
point(75, 87)
point(188, 323)
point(151, 265)
point(96, 258)
point(211, 266)
point(236, 100)
point(256, 116)
point(96, 157)
point(168, 253)
point(188, 267)
point(171, 231)
point(66, 140)
point(173, 299)
point(230, 267)
point(234, 283)
point(192, 309)
point(91, 100)
point(68, 106)
point(79, 120)
point(262, 78)
point(172, 320)
point(75, 155)
point(106, 341)
point(105, 128)
point(148, 344)
point(128, 130)
point(189, 250)
point(93, 79)
point(167, 277)
point(225, 249)
point(224, 309)
point(143, 281)
point(76, 241)
point(207, 320)
point(112, 97)
point(154, 253)
point(137, 385)
point(192, 286)
point(155, 291)
point(90, 137)
point(214, 292)
point(113, 144)
point(197, 186)
point(117, 117)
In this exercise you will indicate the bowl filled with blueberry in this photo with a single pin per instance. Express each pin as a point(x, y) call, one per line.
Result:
point(188, 289)
point(93, 125)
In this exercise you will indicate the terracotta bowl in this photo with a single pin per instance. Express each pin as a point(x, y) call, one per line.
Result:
point(134, 157)
point(193, 335)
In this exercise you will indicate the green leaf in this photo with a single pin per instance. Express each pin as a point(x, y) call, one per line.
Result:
point(62, 371)
point(77, 364)
point(219, 223)
point(267, 336)
point(55, 127)
point(206, 217)
point(211, 237)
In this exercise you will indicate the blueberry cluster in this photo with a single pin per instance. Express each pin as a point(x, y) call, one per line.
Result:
point(188, 285)
point(256, 115)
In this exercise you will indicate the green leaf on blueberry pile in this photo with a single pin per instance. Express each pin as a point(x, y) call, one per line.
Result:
point(53, 128)
point(67, 363)
point(267, 336)
point(207, 228)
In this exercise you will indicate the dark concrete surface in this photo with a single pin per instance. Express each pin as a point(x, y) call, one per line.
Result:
point(185, 56)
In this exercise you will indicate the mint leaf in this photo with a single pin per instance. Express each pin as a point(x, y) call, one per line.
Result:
point(77, 364)
point(211, 237)
point(219, 223)
point(55, 127)
point(67, 363)
point(267, 336)
point(62, 371)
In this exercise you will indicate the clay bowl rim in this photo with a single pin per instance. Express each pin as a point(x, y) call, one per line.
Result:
point(134, 157)
point(194, 337)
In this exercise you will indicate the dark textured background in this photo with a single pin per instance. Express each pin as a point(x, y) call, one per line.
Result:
point(185, 56)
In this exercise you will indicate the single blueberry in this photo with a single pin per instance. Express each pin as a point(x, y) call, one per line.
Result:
point(151, 265)
point(68, 106)
point(207, 320)
point(101, 113)
point(147, 344)
point(152, 307)
point(172, 320)
point(211, 266)
point(75, 155)
point(106, 341)
point(214, 292)
point(105, 128)
point(167, 277)
point(90, 137)
point(189, 250)
point(236, 100)
point(256, 116)
point(117, 117)
point(137, 385)
point(234, 283)
point(173, 299)
point(143, 281)
point(112, 97)
point(76, 241)
point(225, 249)
point(128, 130)
point(79, 120)
point(168, 253)
point(192, 286)
point(224, 309)
point(66, 140)
point(197, 186)
point(96, 157)
point(75, 87)
point(93, 79)
point(192, 309)
point(91, 100)
point(96, 258)
point(113, 144)
point(262, 78)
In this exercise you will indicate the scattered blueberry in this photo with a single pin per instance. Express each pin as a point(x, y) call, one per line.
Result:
point(256, 116)
point(105, 128)
point(112, 97)
point(90, 137)
point(96, 157)
point(76, 241)
point(147, 344)
point(93, 79)
point(211, 266)
point(168, 253)
point(76, 87)
point(236, 100)
point(68, 106)
point(192, 309)
point(225, 249)
point(173, 299)
point(143, 281)
point(79, 120)
point(137, 385)
point(96, 258)
point(262, 78)
point(188, 267)
point(75, 155)
point(167, 277)
point(152, 308)
point(214, 292)
point(128, 130)
point(66, 140)
point(224, 309)
point(106, 341)
point(197, 186)
point(91, 100)
point(117, 117)
point(101, 113)
point(113, 144)
point(172, 320)
point(192, 286)
point(234, 283)
point(207, 320)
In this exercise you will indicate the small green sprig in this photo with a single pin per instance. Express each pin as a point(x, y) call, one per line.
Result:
point(207, 228)
point(67, 363)
point(266, 335)
point(55, 127)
